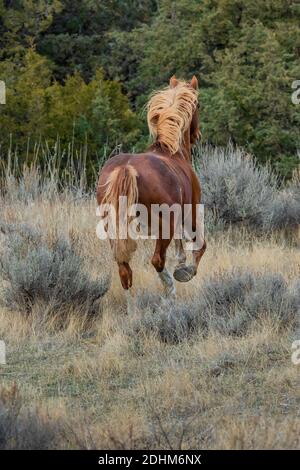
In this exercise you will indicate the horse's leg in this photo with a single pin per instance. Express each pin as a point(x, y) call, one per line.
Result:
point(198, 228)
point(182, 272)
point(158, 261)
point(125, 274)
point(179, 253)
point(185, 273)
point(197, 255)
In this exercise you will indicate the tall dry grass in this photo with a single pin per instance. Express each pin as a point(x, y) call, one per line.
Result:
point(132, 386)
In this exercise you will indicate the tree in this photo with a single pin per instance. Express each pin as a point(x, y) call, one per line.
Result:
point(246, 58)
point(79, 36)
point(252, 104)
point(245, 53)
point(26, 82)
point(22, 22)
point(96, 113)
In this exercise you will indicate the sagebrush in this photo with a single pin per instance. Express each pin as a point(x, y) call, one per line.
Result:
point(35, 269)
point(227, 303)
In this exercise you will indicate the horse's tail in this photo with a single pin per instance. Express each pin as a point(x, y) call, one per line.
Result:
point(122, 182)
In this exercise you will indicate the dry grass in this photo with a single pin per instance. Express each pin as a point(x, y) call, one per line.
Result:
point(135, 391)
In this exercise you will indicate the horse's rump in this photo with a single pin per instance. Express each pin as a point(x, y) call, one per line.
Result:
point(122, 181)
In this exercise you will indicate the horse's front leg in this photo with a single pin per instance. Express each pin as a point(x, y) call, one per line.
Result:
point(159, 261)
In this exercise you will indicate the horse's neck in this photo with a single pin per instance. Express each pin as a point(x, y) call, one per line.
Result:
point(186, 149)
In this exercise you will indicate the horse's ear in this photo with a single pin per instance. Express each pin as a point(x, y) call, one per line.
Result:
point(173, 82)
point(194, 82)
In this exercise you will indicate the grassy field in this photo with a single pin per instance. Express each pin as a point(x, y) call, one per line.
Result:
point(114, 381)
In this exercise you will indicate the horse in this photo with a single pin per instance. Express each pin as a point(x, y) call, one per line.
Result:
point(163, 174)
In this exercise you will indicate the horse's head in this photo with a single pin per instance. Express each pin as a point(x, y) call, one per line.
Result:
point(173, 116)
point(194, 126)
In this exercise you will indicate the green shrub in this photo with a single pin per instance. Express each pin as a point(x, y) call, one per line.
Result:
point(39, 110)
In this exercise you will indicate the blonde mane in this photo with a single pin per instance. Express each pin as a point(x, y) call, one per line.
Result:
point(170, 113)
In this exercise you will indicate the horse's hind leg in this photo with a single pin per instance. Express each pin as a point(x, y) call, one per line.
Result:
point(183, 273)
point(125, 274)
point(158, 261)
point(179, 253)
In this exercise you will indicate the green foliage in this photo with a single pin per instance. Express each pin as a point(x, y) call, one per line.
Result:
point(26, 83)
point(245, 53)
point(246, 56)
point(78, 39)
point(97, 111)
point(252, 104)
point(39, 109)
point(22, 22)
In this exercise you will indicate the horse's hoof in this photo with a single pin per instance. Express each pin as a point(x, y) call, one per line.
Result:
point(184, 273)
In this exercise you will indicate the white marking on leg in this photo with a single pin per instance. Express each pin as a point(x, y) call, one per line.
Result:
point(180, 253)
point(131, 307)
point(167, 282)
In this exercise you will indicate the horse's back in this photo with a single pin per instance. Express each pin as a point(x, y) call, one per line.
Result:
point(160, 179)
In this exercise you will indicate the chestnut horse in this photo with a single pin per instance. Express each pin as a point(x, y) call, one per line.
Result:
point(163, 174)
